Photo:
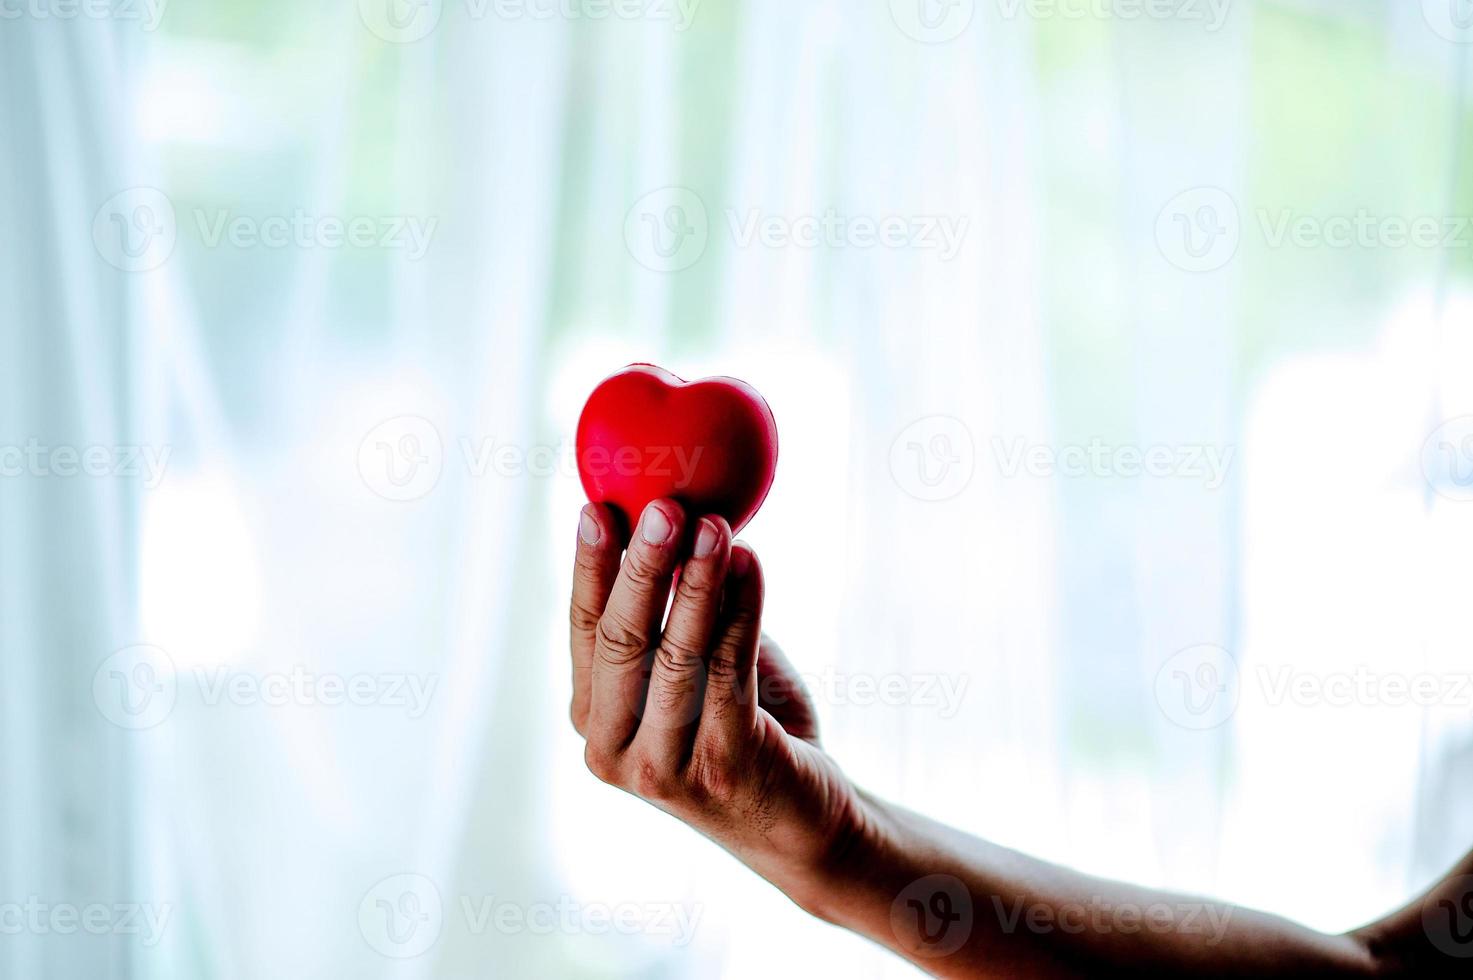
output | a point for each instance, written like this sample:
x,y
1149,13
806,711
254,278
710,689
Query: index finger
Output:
x,y
594,571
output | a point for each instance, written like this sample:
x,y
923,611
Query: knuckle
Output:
x,y
712,776
774,691
677,699
652,781
578,715
617,643
678,654
744,619
642,568
588,562
699,589
724,665
582,616
604,765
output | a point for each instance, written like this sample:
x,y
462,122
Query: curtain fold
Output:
x,y
68,383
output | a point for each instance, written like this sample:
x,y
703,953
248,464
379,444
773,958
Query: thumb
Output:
x,y
782,693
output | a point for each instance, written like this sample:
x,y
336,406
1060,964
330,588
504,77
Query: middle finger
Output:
x,y
627,630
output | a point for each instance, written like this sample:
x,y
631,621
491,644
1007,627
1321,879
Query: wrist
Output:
x,y
845,872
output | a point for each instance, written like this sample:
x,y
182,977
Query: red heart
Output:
x,y
711,444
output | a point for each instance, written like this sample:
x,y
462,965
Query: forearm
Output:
x,y
958,906
1433,935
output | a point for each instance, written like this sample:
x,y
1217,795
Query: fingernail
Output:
x,y
706,539
655,527
588,527
741,561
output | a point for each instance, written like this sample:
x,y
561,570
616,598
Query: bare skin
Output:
x,y
701,715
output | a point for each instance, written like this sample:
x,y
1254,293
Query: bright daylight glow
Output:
x,y
200,579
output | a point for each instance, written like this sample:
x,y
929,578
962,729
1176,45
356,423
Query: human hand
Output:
x,y
700,714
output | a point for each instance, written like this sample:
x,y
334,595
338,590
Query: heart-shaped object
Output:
x,y
710,444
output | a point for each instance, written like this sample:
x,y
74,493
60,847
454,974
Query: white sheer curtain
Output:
x,y
302,391
273,504
74,358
